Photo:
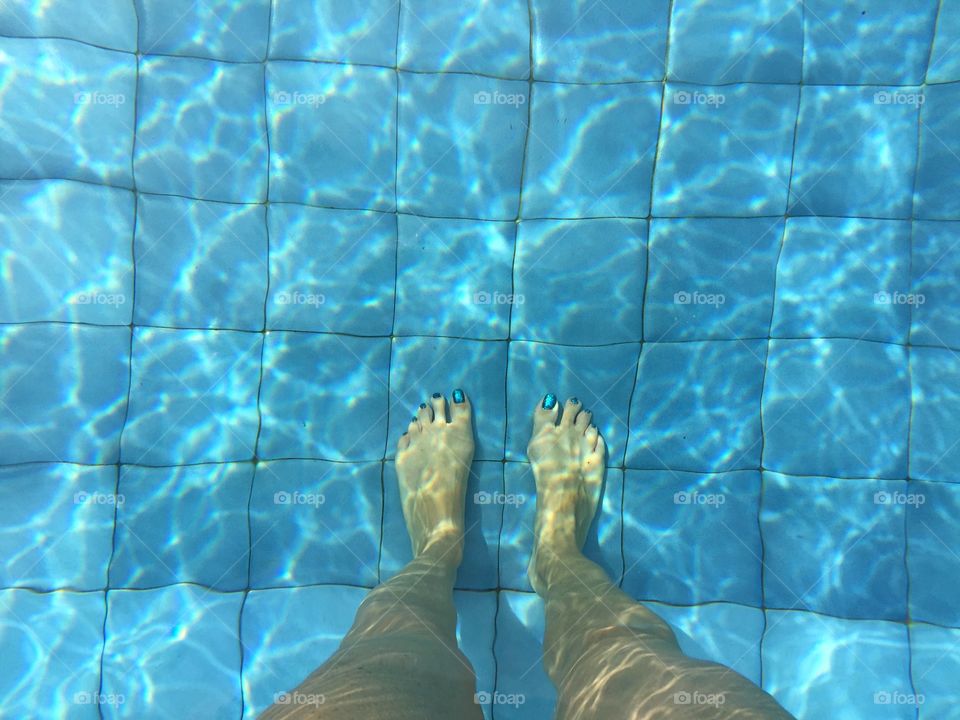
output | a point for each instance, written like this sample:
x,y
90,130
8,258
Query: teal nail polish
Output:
x,y
549,401
574,401
423,405
436,396
414,419
458,395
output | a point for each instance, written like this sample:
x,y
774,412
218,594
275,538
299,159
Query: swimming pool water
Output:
x,y
240,241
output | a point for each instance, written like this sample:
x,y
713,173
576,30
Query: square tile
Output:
x,y
846,277
461,142
462,266
865,123
233,30
932,533
608,258
523,688
692,538
332,134
274,624
601,377
53,644
937,194
111,24
696,406
934,448
64,392
194,396
838,408
182,524
217,150
191,256
56,525
945,59
77,118
725,150
935,665
752,42
494,41
173,650
834,546
935,267
711,278
324,397
424,365
331,270
335,30
590,151
885,43
91,283
315,522
575,42
867,660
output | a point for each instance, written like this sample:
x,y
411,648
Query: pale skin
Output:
x,y
608,656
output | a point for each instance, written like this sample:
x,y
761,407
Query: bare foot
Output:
x,y
568,463
433,461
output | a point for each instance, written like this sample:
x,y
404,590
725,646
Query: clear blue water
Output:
x,y
240,241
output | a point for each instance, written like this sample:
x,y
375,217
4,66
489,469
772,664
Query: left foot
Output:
x,y
433,461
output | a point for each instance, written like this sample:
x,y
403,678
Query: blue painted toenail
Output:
x,y
414,419
458,395
574,401
549,401
436,395
423,405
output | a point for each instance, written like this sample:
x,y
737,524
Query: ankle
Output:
x,y
444,546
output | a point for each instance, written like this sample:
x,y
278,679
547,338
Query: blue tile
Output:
x,y
78,107
171,651
590,151
725,150
887,43
933,565
331,270
44,282
575,42
217,149
220,29
834,546
51,660
190,255
937,194
64,392
460,145
846,277
692,538
935,665
725,633
476,621
945,60
492,39
336,30
547,308
538,368
324,397
332,134
315,522
287,634
830,157
838,408
603,544
814,665
696,406
423,365
111,24
936,295
462,268
57,525
934,450
194,396
753,42
711,278
183,524
523,688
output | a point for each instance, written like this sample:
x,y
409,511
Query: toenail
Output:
x,y
549,401
423,406
574,401
436,395
458,395
414,419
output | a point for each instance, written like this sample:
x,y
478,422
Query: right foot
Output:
x,y
567,459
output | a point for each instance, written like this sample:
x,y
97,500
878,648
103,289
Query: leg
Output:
x,y
400,659
608,655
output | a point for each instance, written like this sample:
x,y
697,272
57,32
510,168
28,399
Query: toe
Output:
x,y
570,411
545,413
425,414
601,447
414,426
591,435
439,404
583,420
404,442
460,408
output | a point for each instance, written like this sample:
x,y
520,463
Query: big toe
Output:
x,y
460,408
545,413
